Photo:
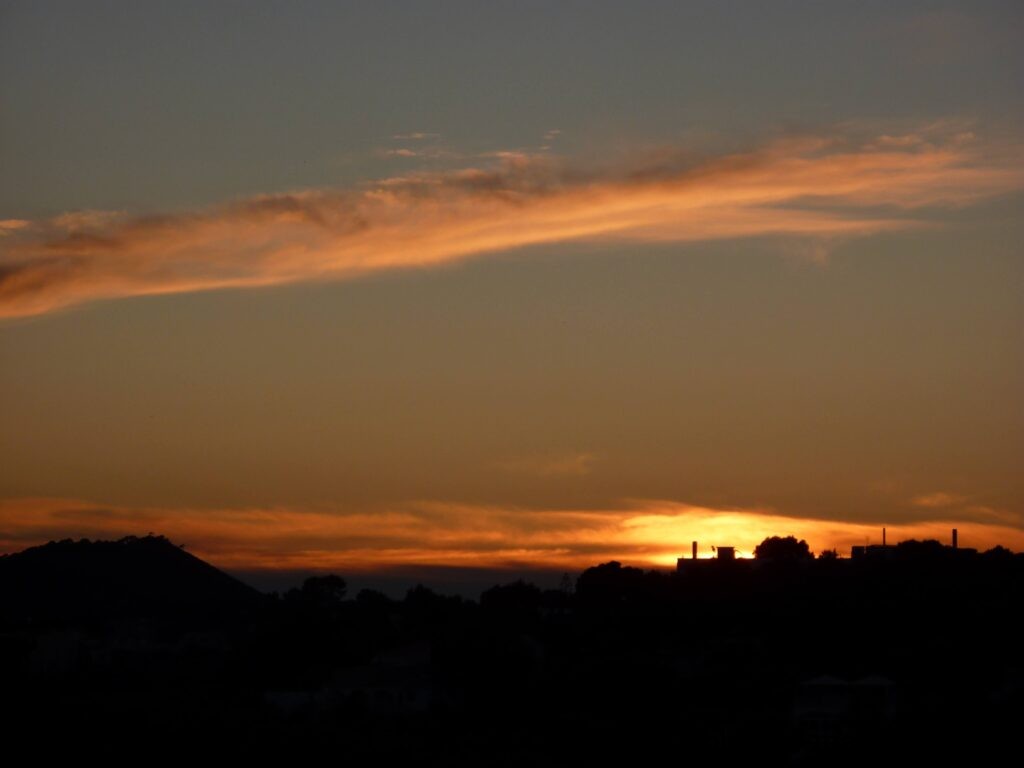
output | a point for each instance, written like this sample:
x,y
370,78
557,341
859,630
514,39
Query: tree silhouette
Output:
x,y
1000,553
783,549
517,594
518,600
610,582
321,590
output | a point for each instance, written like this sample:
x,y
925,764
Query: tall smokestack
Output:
x,y
695,550
883,537
954,538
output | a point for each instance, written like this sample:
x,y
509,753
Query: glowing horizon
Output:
x,y
646,533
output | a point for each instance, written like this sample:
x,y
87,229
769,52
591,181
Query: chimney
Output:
x,y
883,537
695,550
954,538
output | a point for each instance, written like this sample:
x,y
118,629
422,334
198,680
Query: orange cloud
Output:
x,y
650,534
8,226
819,187
938,499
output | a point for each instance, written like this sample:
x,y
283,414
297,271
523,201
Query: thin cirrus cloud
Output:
x,y
937,500
553,465
818,187
645,533
415,136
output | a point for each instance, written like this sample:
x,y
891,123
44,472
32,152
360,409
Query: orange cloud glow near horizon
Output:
x,y
817,187
647,534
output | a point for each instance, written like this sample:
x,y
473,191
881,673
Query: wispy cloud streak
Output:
x,y
648,533
818,187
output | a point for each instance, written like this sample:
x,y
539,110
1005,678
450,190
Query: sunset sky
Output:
x,y
371,286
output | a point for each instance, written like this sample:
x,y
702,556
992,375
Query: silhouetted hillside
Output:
x,y
80,580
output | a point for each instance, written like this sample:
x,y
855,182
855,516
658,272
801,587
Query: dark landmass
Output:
x,y
395,580
135,650
85,581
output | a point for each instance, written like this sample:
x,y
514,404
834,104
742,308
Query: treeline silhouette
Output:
x,y
911,652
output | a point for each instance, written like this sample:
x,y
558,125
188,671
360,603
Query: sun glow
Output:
x,y
648,534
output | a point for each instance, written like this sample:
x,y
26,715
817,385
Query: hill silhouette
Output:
x,y
135,576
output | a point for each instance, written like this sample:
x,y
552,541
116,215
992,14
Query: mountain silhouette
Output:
x,y
134,576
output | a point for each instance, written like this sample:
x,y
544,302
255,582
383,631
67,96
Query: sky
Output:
x,y
526,286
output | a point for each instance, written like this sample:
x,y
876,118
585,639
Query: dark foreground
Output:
x,y
137,650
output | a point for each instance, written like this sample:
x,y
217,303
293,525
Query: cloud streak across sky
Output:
x,y
823,187
649,533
